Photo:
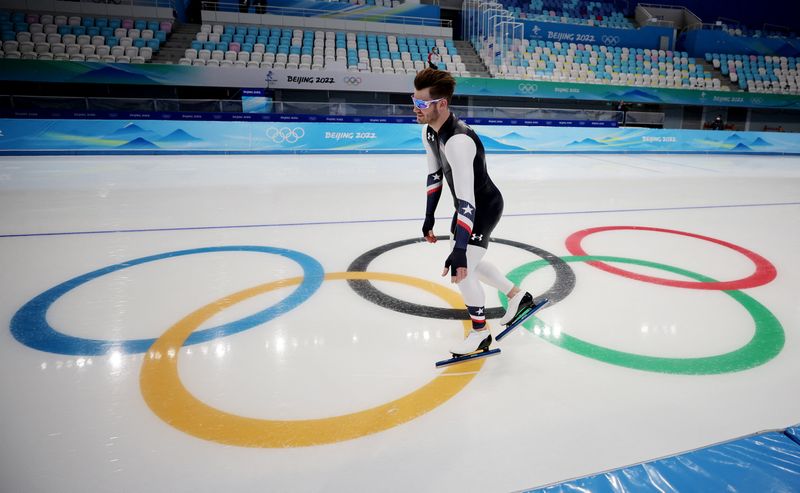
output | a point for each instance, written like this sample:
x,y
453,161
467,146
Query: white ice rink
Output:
x,y
325,390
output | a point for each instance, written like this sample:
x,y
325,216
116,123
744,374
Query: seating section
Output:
x,y
758,73
742,30
274,47
569,12
596,64
34,36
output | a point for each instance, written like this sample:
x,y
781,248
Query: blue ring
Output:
x,y
29,325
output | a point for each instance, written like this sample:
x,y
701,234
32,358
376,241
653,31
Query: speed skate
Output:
x,y
522,315
482,352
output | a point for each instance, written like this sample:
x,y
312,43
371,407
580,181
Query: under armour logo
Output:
x,y
431,138
477,237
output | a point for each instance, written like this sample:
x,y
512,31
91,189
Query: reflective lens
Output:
x,y
422,104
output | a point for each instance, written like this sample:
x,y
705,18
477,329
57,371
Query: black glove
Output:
x,y
427,225
458,258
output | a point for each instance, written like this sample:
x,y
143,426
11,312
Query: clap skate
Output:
x,y
520,308
476,345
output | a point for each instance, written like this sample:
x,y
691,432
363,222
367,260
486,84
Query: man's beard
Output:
x,y
432,116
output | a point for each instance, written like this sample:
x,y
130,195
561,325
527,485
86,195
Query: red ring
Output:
x,y
765,271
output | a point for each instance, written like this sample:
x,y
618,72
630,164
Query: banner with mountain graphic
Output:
x,y
183,75
19,136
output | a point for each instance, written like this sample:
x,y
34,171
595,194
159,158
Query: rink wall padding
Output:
x,y
765,462
89,136
794,433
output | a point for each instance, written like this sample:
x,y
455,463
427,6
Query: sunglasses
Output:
x,y
424,105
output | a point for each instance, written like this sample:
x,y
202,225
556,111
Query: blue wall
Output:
x,y
646,37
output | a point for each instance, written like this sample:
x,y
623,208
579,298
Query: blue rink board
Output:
x,y
769,462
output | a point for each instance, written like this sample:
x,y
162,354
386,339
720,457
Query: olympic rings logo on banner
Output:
x,y
168,398
610,40
527,88
352,80
285,134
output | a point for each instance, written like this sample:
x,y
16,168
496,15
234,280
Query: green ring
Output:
x,y
767,342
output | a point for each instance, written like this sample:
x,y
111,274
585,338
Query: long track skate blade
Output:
x,y
460,359
521,319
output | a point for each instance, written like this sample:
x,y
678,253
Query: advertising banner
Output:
x,y
644,37
131,137
181,75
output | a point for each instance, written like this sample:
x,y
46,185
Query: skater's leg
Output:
x,y
475,299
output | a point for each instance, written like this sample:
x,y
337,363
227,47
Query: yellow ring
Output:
x,y
169,400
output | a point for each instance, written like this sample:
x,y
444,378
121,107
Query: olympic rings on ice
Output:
x,y
766,343
765,271
167,397
561,288
30,327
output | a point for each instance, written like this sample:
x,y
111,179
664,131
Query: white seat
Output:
x,y
147,34
253,64
84,39
26,47
134,33
146,52
60,20
108,59
117,51
123,59
41,47
184,61
137,59
57,48
217,55
120,32
92,58
259,48
131,51
205,28
61,56
240,64
269,58
74,21
243,56
204,54
256,57
46,19
77,58
126,42
190,53
212,63
197,62
214,37
230,55
38,38
50,29
218,29
53,38
23,37
202,37
98,40
44,56
87,49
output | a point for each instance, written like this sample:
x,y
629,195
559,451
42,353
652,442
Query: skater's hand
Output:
x,y
427,230
457,263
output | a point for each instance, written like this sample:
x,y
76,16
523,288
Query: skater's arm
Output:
x,y
460,152
434,188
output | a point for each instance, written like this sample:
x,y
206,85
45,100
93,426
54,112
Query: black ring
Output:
x,y
561,288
